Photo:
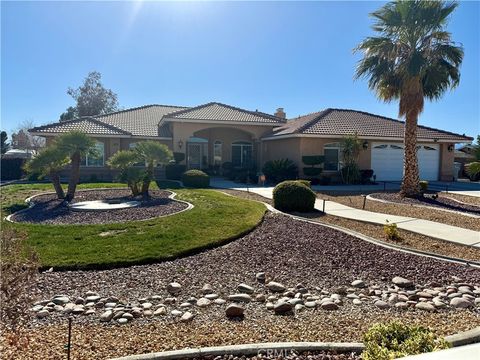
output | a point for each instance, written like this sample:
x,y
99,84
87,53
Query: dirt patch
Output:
x,y
49,210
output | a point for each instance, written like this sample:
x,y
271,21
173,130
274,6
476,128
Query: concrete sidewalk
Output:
x,y
419,226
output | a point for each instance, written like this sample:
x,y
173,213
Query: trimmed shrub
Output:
x,y
195,179
293,196
178,157
307,183
366,175
312,171
280,170
174,171
395,340
423,186
313,160
12,169
391,231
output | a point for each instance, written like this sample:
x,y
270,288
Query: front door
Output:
x,y
194,155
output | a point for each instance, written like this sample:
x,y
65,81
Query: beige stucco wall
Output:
x,y
225,133
446,162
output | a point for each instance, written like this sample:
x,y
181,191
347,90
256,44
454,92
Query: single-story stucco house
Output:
x,y
215,133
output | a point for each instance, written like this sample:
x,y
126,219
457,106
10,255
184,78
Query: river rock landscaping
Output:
x,y
287,280
47,209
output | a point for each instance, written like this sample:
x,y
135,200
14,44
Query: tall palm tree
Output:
x,y
152,153
49,162
75,144
412,58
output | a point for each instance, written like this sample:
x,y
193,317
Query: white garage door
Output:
x,y
387,161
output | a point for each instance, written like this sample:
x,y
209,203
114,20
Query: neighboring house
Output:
x,y
214,133
463,155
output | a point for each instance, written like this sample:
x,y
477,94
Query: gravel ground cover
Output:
x,y
409,239
288,251
463,198
440,202
448,218
50,210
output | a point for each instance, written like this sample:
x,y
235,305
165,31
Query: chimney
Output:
x,y
280,113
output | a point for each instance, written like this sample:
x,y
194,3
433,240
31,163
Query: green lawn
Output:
x,y
215,219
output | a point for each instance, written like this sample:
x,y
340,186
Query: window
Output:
x,y
332,157
396,147
98,158
241,154
217,153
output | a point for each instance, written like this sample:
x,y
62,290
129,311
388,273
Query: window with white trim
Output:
x,y
242,153
97,159
332,157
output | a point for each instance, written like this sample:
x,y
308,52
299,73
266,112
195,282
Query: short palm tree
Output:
x,y
152,153
124,161
412,58
75,145
49,162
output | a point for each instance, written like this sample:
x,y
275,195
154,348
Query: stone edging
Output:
x,y
369,197
31,205
459,339
248,349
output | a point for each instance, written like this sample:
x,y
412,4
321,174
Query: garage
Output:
x,y
387,161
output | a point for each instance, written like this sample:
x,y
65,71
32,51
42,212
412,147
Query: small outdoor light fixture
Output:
x,y
180,144
450,148
365,145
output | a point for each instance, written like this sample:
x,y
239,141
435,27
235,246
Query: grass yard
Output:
x,y
216,218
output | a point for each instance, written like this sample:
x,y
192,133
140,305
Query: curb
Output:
x,y
460,339
31,205
370,197
464,338
248,349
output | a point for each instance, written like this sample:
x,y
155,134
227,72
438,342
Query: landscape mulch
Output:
x,y
50,210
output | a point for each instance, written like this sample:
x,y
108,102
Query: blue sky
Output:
x,y
255,55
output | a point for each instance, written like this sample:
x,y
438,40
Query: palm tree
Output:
x,y
75,145
152,153
412,58
49,162
124,160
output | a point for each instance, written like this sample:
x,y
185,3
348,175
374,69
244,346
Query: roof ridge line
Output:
x,y
321,114
113,127
137,108
272,117
399,121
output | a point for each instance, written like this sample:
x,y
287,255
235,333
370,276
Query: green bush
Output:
x,y
178,157
423,186
350,174
12,169
312,171
395,340
195,179
280,170
313,160
307,183
293,196
174,171
391,231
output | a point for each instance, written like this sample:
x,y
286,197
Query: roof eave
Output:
x,y
384,138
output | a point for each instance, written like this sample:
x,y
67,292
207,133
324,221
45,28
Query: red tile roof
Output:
x,y
342,122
